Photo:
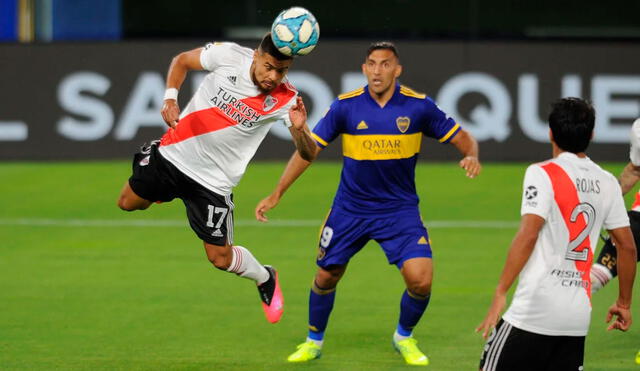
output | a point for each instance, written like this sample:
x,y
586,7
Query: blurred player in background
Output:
x,y
208,146
566,201
382,125
605,267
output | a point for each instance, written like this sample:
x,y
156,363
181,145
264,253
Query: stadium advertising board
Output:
x,y
102,100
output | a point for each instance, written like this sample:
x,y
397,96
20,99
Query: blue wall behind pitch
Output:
x,y
8,20
87,20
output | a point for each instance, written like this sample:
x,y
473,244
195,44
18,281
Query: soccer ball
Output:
x,y
295,31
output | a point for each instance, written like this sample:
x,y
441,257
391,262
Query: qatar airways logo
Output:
x,y
382,146
235,109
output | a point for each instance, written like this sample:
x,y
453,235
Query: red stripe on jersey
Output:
x,y
197,123
566,197
215,118
636,203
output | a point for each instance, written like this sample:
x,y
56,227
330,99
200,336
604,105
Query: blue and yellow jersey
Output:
x,y
380,146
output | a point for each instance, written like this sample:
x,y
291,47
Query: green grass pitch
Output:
x,y
84,285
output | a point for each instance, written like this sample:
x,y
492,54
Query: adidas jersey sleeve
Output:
x,y
437,124
537,196
618,216
634,152
213,55
329,126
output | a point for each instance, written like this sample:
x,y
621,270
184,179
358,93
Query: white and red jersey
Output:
x,y
576,198
634,156
227,118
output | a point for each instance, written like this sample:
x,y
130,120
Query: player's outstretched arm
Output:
x,y
468,147
519,252
296,166
300,132
629,177
626,264
180,65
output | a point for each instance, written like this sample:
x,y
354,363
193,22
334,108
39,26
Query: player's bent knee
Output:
x,y
329,278
220,262
132,203
326,283
422,288
220,259
126,205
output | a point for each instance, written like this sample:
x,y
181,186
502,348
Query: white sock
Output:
x,y
600,275
397,337
317,342
244,264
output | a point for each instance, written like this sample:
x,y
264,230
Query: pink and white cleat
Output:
x,y
271,296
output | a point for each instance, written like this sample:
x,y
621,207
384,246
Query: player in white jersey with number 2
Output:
x,y
566,201
207,148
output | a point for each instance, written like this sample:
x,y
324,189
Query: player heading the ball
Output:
x,y
206,150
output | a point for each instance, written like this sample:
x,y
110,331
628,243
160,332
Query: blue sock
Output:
x,y
320,305
412,306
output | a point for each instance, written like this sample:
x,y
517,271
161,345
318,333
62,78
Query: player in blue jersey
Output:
x,y
382,125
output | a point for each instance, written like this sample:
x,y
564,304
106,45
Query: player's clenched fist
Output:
x,y
170,112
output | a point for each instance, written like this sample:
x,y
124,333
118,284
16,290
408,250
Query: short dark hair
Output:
x,y
383,45
267,46
571,121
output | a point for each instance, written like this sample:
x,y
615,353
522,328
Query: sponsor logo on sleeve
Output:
x,y
530,193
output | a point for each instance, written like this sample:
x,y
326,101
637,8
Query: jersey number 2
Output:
x,y
590,216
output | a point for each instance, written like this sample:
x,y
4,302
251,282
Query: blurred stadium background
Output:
x,y
85,286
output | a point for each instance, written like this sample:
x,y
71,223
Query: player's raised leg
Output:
x,y
239,260
417,274
321,299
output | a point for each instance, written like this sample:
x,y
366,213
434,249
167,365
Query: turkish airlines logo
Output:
x,y
235,108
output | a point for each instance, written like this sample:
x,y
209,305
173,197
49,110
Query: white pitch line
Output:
x,y
43,222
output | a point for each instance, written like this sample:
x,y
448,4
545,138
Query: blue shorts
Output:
x,y
402,237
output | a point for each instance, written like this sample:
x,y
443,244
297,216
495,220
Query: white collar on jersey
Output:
x,y
571,155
